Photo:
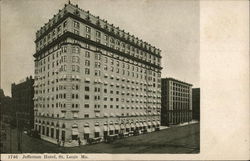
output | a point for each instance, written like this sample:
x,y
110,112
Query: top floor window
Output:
x,y
59,29
88,29
112,40
64,23
98,34
76,24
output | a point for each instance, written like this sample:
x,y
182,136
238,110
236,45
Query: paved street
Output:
x,y
184,139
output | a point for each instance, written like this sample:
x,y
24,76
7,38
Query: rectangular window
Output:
x,y
86,97
106,37
76,24
87,63
88,29
86,88
87,54
98,34
86,105
88,36
76,32
87,71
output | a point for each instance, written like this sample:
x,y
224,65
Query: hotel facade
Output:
x,y
176,102
93,80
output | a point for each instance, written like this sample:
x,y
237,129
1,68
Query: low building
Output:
x,y
176,102
7,119
196,103
22,94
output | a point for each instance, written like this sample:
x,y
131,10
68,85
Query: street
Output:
x,y
183,139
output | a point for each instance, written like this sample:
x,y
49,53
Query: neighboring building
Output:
x,y
7,121
176,102
22,94
93,79
196,103
7,109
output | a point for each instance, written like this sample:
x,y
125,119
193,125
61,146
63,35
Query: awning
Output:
x,y
132,126
97,114
117,127
158,122
86,130
111,127
127,126
137,124
122,126
112,115
97,129
154,123
105,128
106,115
87,79
145,124
74,126
149,124
75,131
141,124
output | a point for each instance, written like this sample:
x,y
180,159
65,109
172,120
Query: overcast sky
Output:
x,y
172,26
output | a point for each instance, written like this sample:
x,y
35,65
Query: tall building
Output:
x,y
176,102
22,95
93,80
196,103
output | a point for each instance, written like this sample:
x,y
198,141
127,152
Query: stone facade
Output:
x,y
93,80
176,102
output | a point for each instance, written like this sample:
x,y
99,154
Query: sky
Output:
x,y
170,25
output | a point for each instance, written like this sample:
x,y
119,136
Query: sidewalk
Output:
x,y
182,124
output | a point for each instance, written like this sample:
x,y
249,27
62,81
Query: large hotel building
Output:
x,y
93,80
176,102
